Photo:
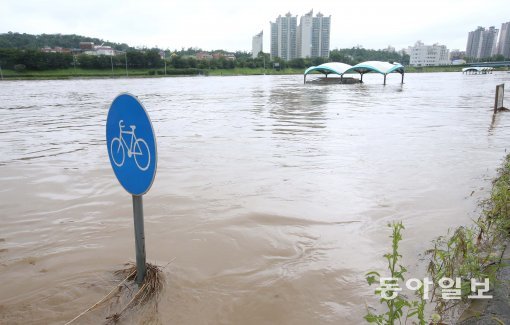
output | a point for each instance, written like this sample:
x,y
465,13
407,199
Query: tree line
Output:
x,y
29,41
21,59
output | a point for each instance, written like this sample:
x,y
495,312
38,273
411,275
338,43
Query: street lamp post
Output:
x,y
125,57
111,60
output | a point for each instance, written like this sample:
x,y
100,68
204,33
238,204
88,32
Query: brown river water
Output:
x,y
272,196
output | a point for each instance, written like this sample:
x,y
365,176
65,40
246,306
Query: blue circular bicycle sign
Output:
x,y
131,144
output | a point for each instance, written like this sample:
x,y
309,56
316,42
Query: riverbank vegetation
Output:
x,y
53,56
471,252
26,56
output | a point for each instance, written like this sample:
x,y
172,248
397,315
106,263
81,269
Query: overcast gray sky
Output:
x,y
230,25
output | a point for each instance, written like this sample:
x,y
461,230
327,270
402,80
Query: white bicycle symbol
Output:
x,y
137,148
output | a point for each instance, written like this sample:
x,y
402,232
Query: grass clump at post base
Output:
x,y
128,295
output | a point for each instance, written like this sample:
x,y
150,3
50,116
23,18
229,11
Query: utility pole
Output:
x,y
1,74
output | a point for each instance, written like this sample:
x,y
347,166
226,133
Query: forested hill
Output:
x,y
29,41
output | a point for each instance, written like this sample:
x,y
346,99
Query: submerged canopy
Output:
x,y
362,68
330,67
376,66
339,68
477,69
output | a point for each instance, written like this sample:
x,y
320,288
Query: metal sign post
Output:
x,y
500,95
132,150
141,268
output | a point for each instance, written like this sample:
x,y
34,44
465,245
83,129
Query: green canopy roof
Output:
x,y
330,67
340,69
376,66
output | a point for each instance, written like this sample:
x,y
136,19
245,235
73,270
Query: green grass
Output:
x,y
121,73
72,73
249,71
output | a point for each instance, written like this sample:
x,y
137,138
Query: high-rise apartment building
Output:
x,y
308,40
504,40
473,42
284,37
482,42
304,35
428,55
321,35
313,36
257,44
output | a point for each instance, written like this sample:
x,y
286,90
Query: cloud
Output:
x,y
231,24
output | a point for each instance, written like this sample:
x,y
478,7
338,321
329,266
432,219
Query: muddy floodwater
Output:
x,y
272,196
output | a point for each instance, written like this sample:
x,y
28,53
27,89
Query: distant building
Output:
x,y
457,55
504,40
428,55
310,39
56,49
458,62
204,56
304,36
313,36
86,46
104,50
90,49
482,43
389,49
284,37
257,44
228,56
321,36
489,42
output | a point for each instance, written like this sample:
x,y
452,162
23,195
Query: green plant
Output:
x,y
396,305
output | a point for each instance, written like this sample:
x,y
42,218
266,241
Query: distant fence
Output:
x,y
500,94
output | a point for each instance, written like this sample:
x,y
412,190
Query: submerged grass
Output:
x,y
127,295
465,253
70,73
473,252
151,286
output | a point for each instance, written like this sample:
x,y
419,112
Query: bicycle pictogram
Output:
x,y
137,148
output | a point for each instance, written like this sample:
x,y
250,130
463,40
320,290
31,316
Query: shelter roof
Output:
x,y
478,69
376,66
330,67
363,67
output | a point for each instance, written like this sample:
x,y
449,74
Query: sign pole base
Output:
x,y
141,268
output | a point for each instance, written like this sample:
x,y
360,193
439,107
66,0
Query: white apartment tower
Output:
x,y
284,37
313,36
482,43
428,55
304,35
320,36
504,40
257,44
